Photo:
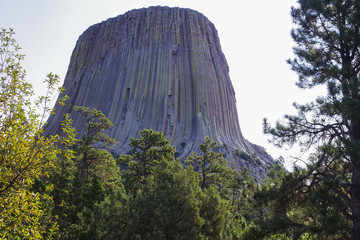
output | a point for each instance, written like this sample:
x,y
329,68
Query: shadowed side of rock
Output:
x,y
159,68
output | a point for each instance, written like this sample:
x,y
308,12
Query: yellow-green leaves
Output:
x,y
24,153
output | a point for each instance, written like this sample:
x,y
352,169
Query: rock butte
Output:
x,y
159,68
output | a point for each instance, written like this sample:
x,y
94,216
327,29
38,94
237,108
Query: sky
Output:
x,y
254,36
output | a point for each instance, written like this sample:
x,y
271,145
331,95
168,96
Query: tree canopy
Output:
x,y
327,52
62,188
24,153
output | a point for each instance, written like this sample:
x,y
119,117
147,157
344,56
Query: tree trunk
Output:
x,y
355,200
203,184
355,179
83,167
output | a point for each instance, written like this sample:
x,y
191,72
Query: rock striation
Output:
x,y
160,68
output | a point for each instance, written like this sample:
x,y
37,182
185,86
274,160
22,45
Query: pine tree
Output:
x,y
95,123
168,206
147,152
211,165
328,53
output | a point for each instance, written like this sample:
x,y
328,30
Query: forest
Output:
x,y
64,187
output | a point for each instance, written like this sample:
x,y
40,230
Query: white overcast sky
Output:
x,y
254,35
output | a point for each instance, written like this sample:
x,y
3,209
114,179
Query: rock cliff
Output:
x,y
160,68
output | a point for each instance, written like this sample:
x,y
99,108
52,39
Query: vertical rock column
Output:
x,y
160,68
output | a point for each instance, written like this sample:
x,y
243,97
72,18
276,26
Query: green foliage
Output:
x,y
147,152
62,188
324,196
111,216
82,208
25,155
243,155
168,206
76,206
241,186
253,158
211,165
292,205
214,211
276,209
95,125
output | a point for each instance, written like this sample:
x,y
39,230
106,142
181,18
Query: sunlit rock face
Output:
x,y
159,68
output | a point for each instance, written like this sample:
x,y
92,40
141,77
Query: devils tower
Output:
x,y
159,68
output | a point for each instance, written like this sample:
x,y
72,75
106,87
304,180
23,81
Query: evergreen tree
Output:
x,y
61,178
147,152
168,202
328,53
85,181
95,123
111,216
211,165
215,212
168,205
83,209
277,206
241,187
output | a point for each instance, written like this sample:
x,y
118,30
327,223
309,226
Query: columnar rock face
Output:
x,y
159,68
